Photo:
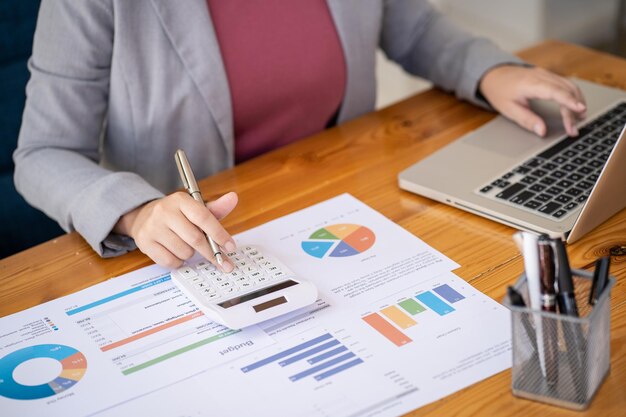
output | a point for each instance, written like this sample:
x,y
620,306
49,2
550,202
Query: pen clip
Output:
x,y
189,182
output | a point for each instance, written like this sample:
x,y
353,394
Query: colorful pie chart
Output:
x,y
73,364
339,240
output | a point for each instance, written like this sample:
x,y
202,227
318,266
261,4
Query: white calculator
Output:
x,y
258,289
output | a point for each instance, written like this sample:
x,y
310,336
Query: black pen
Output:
x,y
600,278
566,299
518,301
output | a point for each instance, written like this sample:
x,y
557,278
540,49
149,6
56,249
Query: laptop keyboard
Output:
x,y
556,181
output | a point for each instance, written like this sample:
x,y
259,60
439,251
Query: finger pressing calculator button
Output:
x,y
187,272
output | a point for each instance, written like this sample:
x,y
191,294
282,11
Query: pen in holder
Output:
x,y
567,365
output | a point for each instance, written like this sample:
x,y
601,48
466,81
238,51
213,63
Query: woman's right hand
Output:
x,y
169,230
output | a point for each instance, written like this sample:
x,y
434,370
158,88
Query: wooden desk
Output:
x,y
363,157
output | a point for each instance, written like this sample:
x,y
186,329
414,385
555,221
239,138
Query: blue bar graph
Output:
x,y
119,295
338,369
327,355
447,292
286,353
308,353
434,303
322,366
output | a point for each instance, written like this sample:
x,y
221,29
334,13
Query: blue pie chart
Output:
x,y
73,364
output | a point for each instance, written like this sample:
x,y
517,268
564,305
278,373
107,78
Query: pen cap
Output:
x,y
563,270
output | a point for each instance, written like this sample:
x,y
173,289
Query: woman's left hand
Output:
x,y
508,88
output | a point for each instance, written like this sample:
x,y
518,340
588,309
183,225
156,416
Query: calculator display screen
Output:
x,y
256,294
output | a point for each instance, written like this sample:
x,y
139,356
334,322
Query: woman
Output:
x,y
117,86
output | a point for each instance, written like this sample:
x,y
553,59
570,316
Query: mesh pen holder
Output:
x,y
569,357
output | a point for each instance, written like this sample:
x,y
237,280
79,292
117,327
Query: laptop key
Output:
x,y
544,197
574,192
596,163
585,185
550,207
510,191
558,174
537,188
585,170
578,161
522,197
588,155
569,167
574,177
508,175
486,189
570,153
565,183
563,199
554,190
533,204
549,166
528,180
582,198
522,170
559,160
539,173
580,147
534,163
559,213
548,180
571,206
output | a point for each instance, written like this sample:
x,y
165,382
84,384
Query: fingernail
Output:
x,y
537,130
574,131
226,266
230,246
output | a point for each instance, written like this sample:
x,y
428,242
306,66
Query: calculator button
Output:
x,y
249,270
255,274
207,270
246,284
225,284
262,279
187,272
241,264
278,274
198,278
201,285
242,278
208,290
203,264
235,274
231,254
230,290
214,274
218,279
211,296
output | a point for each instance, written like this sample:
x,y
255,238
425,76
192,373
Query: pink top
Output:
x,y
285,67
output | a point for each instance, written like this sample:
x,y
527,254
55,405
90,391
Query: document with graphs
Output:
x,y
393,329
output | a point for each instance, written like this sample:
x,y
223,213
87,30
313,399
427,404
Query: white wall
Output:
x,y
513,25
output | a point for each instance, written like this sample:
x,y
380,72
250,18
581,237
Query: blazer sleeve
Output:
x,y
57,159
427,44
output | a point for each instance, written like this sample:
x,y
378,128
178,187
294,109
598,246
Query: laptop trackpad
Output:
x,y
504,137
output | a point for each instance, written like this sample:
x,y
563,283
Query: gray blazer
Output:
x,y
117,86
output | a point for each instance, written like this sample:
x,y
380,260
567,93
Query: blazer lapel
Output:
x,y
360,62
190,29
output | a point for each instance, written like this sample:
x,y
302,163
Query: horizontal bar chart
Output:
x,y
317,355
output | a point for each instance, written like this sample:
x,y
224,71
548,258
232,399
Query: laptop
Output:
x,y
557,185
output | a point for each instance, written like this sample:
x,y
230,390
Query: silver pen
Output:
x,y
190,184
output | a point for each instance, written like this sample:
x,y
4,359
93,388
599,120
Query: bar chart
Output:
x,y
393,320
319,358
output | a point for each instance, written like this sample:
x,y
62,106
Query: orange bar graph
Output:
x,y
151,331
394,314
385,328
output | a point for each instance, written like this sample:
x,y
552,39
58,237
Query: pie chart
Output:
x,y
339,240
72,363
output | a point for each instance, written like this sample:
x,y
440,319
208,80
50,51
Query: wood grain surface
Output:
x,y
363,157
